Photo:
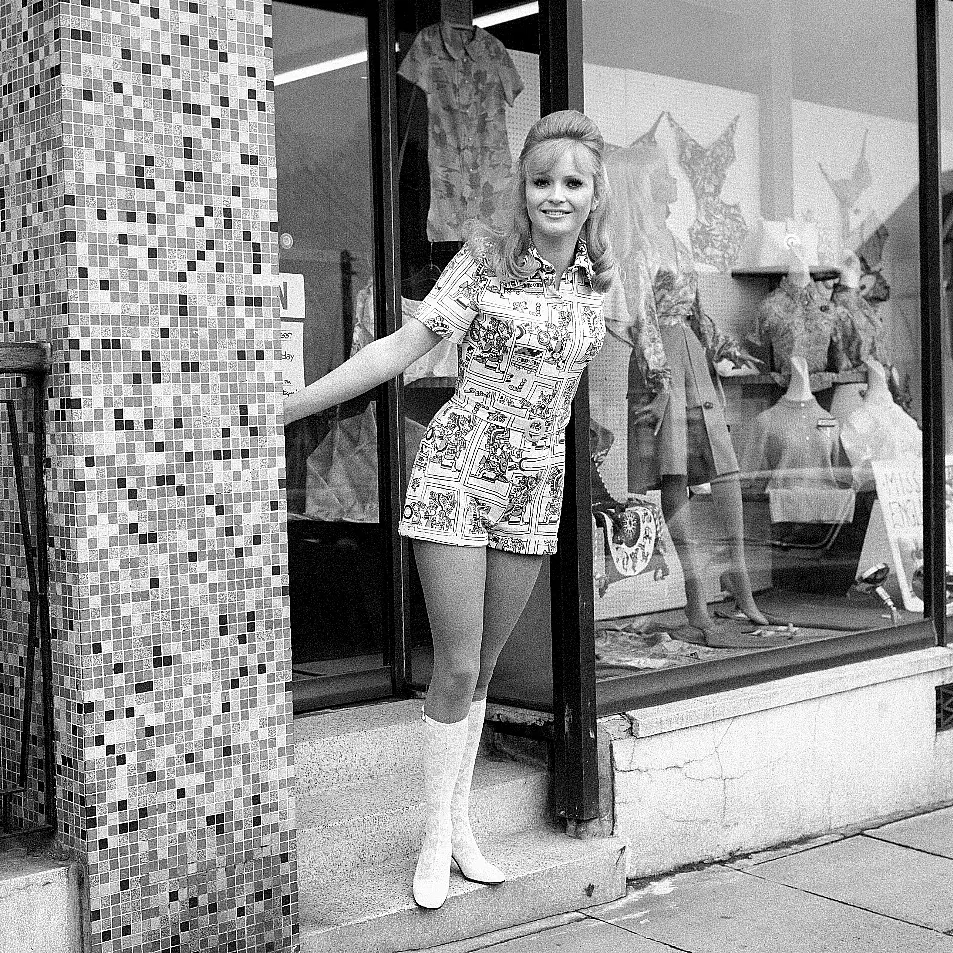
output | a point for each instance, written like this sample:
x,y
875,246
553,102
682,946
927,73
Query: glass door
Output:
x,y
337,543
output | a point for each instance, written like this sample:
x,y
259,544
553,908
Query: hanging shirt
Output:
x,y
469,79
792,451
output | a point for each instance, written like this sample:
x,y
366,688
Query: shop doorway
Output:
x,y
337,542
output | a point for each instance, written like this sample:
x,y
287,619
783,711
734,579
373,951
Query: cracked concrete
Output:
x,y
754,778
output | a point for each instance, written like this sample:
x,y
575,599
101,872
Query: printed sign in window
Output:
x,y
291,312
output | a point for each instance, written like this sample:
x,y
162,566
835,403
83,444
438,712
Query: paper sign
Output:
x,y
291,312
900,499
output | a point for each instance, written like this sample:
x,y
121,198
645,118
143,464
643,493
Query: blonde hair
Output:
x,y
629,172
546,142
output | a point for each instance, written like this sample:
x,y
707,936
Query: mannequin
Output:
x,y
878,429
799,389
858,334
677,438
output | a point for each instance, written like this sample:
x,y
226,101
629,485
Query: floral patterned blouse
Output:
x,y
469,79
641,306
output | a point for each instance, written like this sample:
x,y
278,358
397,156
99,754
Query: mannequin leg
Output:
x,y
726,495
676,513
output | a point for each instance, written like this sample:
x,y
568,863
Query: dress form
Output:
x,y
799,389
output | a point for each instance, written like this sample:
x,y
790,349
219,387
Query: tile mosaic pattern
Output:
x,y
143,176
30,296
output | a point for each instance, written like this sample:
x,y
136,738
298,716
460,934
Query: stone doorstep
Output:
x,y
372,911
40,904
379,823
706,709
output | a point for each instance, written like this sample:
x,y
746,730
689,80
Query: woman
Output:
x,y
484,496
678,436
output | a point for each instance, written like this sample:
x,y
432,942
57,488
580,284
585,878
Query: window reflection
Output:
x,y
765,179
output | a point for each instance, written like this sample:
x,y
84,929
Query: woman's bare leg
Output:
x,y
726,495
510,578
453,579
677,518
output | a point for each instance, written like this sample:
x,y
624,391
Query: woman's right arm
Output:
x,y
373,364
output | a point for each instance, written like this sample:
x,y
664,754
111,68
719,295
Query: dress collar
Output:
x,y
580,260
456,43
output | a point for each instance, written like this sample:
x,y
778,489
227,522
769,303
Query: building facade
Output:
x,y
201,201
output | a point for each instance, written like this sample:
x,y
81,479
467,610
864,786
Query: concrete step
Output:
x,y
372,909
40,907
368,741
375,822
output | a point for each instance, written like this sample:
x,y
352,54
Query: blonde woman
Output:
x,y
485,493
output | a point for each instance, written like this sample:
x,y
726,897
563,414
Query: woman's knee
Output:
x,y
457,675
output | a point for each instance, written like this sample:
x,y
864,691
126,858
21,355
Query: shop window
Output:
x,y
335,538
764,166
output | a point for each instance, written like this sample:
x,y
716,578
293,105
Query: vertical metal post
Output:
x,y
382,79
931,316
574,655
39,381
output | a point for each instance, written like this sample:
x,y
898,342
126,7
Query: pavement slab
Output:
x,y
720,910
931,832
873,874
786,850
583,936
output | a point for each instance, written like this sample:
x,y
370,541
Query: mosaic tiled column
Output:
x,y
137,213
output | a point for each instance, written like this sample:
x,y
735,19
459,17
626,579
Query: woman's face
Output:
x,y
559,201
662,184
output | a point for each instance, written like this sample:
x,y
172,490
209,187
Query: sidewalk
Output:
x,y
883,890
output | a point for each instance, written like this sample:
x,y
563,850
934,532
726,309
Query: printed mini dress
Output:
x,y
490,468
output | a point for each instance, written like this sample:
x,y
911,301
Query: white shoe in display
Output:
x,y
443,748
467,856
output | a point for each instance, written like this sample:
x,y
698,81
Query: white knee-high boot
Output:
x,y
443,750
473,865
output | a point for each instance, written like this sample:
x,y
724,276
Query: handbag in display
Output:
x,y
632,531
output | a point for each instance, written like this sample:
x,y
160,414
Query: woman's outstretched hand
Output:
x,y
373,364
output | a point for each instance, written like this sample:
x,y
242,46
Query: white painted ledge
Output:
x,y
659,719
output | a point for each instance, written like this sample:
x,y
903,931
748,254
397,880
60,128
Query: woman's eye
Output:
x,y
540,183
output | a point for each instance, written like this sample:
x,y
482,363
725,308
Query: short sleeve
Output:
x,y
412,65
509,77
448,309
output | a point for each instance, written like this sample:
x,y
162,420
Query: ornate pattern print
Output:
x,y
497,447
719,229
799,322
469,79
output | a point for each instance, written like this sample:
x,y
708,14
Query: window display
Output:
x,y
767,232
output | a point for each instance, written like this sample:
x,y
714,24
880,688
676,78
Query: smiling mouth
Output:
x,y
554,213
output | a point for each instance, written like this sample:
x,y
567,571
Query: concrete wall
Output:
x,y
137,236
751,768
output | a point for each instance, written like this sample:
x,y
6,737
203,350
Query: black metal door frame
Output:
x,y
931,316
